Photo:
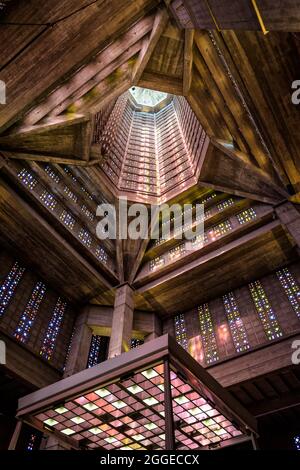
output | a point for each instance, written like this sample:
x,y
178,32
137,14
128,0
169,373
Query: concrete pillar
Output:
x,y
122,321
289,216
15,437
156,329
80,346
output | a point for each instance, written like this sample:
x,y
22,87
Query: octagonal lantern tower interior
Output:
x,y
151,142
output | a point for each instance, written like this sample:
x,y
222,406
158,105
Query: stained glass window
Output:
x,y
69,172
70,194
199,240
87,193
205,199
177,251
219,230
67,219
27,178
265,311
9,286
69,349
297,442
28,316
53,329
246,216
52,173
159,241
32,442
224,204
180,331
157,263
291,288
98,350
207,334
87,212
101,254
136,342
48,199
85,236
235,322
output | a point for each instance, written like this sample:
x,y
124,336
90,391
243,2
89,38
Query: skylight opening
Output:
x,y
146,97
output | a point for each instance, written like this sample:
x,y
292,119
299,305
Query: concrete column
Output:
x,y
15,437
122,321
80,346
156,329
289,216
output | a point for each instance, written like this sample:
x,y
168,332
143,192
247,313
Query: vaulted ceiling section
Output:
x,y
65,67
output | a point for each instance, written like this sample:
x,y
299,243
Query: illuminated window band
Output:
x,y
31,442
67,219
136,342
291,288
101,254
297,442
69,349
156,263
53,329
236,324
27,178
207,334
28,316
70,194
98,350
85,236
87,212
52,173
9,286
246,216
265,311
224,204
180,331
48,199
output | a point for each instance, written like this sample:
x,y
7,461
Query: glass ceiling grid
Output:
x,y
129,412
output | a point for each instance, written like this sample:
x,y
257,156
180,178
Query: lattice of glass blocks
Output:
x,y
31,442
67,219
156,263
236,325
265,312
9,286
219,230
291,288
85,236
180,331
70,194
87,212
28,316
101,254
207,334
176,252
225,204
53,329
52,173
48,199
27,178
98,350
136,342
246,216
